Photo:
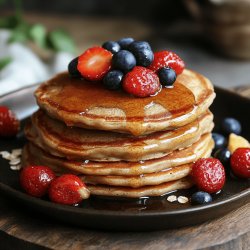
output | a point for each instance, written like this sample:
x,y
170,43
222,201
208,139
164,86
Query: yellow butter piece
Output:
x,y
237,141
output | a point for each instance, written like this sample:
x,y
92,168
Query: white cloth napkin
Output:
x,y
26,68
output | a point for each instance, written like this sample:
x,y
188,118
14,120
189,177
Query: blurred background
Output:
x,y
38,38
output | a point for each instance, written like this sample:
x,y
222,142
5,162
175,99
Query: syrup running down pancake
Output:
x,y
77,143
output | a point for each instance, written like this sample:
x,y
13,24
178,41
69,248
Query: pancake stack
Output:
x,y
118,144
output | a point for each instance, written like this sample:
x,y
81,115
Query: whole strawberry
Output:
x,y
141,82
208,174
35,180
68,189
167,59
240,162
9,124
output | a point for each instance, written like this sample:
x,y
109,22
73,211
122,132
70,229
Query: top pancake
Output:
x,y
84,104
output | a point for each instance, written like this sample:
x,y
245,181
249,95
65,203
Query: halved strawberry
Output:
x,y
94,63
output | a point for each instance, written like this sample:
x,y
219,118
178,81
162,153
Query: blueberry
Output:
x,y
113,79
124,61
125,42
167,76
111,46
138,45
223,155
231,125
144,57
200,198
219,141
72,68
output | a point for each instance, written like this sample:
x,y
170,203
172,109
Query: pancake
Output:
x,y
33,155
89,105
146,191
77,143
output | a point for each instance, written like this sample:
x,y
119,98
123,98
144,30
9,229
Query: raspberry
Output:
x,y
35,180
9,125
68,189
94,63
141,82
208,174
240,162
167,59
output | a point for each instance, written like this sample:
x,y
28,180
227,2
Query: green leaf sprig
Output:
x,y
21,31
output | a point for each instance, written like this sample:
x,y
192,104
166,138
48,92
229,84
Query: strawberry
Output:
x,y
35,180
141,82
240,162
208,174
94,63
167,59
9,124
68,189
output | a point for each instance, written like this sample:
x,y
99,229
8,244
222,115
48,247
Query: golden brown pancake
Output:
x,y
89,105
35,155
146,191
79,143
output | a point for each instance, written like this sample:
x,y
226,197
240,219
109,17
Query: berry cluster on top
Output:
x,y
129,65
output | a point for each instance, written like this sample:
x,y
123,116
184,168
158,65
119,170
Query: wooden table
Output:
x,y
19,230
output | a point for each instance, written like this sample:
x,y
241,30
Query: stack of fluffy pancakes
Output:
x,y
118,144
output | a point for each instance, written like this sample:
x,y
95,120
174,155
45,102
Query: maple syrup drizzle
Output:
x,y
79,96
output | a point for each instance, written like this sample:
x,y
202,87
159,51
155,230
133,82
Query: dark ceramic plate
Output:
x,y
128,215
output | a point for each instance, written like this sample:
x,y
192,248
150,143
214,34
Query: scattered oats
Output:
x,y
182,199
172,198
16,152
16,167
15,161
5,154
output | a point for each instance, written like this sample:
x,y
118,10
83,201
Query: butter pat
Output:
x,y
236,141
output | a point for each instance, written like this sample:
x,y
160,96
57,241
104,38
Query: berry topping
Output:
x,y
125,42
68,189
124,61
219,141
167,59
231,125
208,174
35,180
167,76
200,198
113,79
141,82
72,68
223,155
94,63
240,162
111,46
143,53
144,57
9,124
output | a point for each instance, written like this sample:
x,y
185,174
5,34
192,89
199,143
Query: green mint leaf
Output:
x,y
37,34
20,33
4,62
59,40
